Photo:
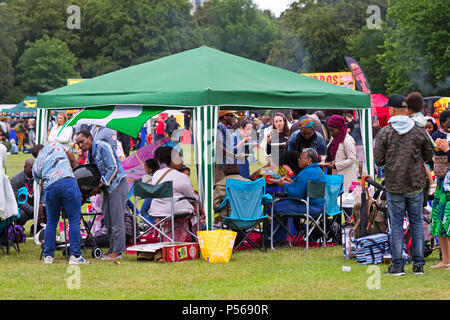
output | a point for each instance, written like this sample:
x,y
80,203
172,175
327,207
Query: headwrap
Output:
x,y
306,123
337,122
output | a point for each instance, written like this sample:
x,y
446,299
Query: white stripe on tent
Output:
x,y
205,122
119,112
366,133
41,138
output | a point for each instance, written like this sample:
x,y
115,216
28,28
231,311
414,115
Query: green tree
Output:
x,y
238,27
7,50
46,64
40,18
365,47
416,52
116,34
316,34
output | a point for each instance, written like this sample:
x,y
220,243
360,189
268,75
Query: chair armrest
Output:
x,y
267,198
223,204
289,198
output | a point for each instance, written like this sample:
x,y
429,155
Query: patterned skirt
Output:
x,y
440,215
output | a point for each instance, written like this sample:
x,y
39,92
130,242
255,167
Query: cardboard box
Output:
x,y
168,251
180,252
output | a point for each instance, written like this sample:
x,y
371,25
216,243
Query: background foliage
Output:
x,y
409,52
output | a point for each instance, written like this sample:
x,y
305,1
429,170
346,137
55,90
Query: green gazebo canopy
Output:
x,y
201,77
205,80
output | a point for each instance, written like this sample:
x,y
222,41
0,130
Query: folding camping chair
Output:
x,y
315,190
245,199
334,189
164,190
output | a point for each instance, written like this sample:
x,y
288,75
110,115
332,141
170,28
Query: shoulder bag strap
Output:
x,y
162,177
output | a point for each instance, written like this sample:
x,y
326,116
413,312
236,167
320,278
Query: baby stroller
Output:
x,y
380,196
88,177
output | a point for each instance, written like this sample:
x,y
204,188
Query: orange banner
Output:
x,y
343,79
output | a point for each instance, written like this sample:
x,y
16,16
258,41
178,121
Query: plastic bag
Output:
x,y
216,245
358,190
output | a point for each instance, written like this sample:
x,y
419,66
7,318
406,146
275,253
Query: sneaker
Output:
x,y
417,269
79,260
48,259
396,270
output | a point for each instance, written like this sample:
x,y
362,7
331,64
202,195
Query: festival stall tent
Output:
x,y
204,80
25,109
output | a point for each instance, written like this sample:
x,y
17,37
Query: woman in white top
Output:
x,y
182,187
65,137
341,153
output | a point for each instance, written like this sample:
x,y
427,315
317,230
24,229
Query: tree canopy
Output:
x,y
46,64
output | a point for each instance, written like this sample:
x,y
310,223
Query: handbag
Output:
x,y
441,165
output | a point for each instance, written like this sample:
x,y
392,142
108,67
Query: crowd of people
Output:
x,y
406,153
310,144
336,139
17,134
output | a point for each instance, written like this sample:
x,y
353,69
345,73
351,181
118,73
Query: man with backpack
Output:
x,y
402,147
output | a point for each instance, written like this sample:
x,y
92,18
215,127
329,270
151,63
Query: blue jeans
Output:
x,y
63,194
245,169
145,207
398,205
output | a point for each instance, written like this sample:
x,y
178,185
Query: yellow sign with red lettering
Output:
x,y
343,79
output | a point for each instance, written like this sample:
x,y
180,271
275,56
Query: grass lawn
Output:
x,y
287,273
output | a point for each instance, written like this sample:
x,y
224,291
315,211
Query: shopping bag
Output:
x,y
216,245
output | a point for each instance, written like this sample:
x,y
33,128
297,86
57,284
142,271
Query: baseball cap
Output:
x,y
396,101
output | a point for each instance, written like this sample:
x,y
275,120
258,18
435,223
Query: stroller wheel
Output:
x,y
97,253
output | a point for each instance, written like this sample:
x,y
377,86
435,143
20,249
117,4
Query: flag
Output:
x,y
128,119
361,81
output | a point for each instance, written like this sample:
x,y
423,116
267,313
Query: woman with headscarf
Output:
x,y
307,137
341,153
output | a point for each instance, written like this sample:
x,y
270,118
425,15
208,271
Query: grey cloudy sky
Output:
x,y
276,6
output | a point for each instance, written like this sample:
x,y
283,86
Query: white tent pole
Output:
x,y
205,123
366,132
41,138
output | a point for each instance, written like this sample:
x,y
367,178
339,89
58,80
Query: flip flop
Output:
x,y
109,258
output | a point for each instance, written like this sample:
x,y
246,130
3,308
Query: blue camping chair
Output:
x,y
334,189
245,199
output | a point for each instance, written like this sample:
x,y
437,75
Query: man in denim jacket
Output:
x,y
114,187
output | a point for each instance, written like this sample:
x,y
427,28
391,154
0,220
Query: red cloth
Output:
x,y
378,101
160,128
